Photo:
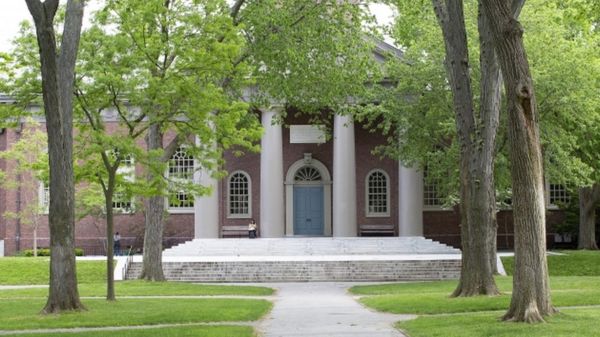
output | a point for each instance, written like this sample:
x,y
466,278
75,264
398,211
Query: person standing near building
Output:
x,y
117,244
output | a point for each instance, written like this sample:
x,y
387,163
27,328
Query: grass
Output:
x,y
572,263
574,282
433,297
24,314
35,270
569,323
190,331
143,288
19,308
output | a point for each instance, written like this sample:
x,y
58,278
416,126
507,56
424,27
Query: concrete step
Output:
x,y
284,270
310,246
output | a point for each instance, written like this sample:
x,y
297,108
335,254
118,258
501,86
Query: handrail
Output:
x,y
128,262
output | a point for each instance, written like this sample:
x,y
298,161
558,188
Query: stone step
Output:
x,y
303,271
309,246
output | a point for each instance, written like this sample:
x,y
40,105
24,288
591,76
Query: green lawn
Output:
x,y
19,308
193,331
569,323
24,314
433,297
479,316
571,263
35,270
143,288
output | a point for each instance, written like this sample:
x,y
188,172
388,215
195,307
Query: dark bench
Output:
x,y
377,230
234,231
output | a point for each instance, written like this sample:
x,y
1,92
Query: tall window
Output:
x,y
431,194
239,202
181,170
44,197
558,195
378,194
121,202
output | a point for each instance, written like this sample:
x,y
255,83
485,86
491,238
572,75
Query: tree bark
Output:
x,y
531,291
58,68
477,201
588,200
154,219
489,114
109,192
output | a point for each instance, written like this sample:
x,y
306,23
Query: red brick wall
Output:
x,y
443,226
89,232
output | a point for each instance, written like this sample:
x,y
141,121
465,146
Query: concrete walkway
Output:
x,y
324,310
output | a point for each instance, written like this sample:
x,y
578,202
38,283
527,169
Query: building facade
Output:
x,y
304,182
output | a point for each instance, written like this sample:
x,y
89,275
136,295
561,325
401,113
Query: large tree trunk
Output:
x,y
154,219
588,200
489,114
531,291
477,202
58,70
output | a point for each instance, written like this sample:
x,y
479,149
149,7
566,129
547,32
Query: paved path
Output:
x,y
324,309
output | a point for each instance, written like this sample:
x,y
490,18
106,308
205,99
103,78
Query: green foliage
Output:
x,y
310,54
416,112
568,263
566,84
24,314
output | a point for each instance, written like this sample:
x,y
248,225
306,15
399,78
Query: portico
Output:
x,y
308,186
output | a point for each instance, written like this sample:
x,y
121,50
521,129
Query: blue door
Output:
x,y
308,210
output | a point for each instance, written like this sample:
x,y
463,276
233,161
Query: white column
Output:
x,y
410,199
344,178
272,206
206,208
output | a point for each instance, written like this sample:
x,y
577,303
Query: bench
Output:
x,y
234,231
377,230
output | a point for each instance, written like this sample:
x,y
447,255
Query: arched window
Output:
x,y
180,171
239,202
307,173
378,194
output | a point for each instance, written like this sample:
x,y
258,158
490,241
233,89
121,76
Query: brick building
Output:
x,y
315,187
301,184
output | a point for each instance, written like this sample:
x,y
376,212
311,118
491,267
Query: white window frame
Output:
x,y
368,212
439,206
239,215
127,170
180,210
548,193
44,197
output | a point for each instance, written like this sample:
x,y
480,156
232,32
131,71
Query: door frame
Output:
x,y
289,193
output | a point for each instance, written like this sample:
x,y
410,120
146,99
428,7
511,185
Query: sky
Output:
x,y
13,12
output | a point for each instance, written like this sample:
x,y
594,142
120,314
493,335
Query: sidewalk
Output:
x,y
324,309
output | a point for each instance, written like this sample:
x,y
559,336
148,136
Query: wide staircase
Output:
x,y
308,259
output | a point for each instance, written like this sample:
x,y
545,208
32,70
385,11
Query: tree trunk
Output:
x,y
57,87
110,253
489,114
531,291
35,250
588,199
477,203
154,219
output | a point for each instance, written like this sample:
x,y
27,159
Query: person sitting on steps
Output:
x,y
252,229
